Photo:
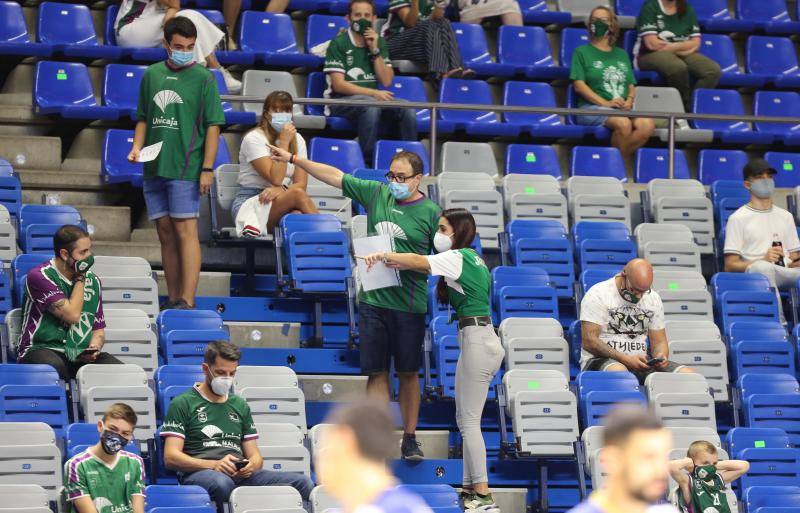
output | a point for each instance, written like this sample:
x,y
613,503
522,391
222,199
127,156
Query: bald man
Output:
x,y
617,317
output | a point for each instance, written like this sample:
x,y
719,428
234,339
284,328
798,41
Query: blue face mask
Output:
x,y
400,191
181,58
763,188
280,119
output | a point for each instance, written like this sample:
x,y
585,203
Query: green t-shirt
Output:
x,y
210,431
608,74
468,280
344,56
110,488
707,496
394,25
411,226
673,28
178,107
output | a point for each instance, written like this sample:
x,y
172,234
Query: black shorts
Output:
x,y
384,334
601,364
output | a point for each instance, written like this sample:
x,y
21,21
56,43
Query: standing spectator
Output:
x,y
179,106
140,23
281,187
63,324
603,80
475,11
105,478
391,321
702,479
761,237
669,43
356,60
210,438
618,316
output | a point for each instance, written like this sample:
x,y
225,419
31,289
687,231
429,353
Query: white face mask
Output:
x,y
442,242
221,385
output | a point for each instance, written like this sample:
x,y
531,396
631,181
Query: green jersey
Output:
x,y
411,226
178,105
673,28
707,496
468,280
394,25
608,74
110,487
209,430
353,61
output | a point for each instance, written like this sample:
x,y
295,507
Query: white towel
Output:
x,y
251,221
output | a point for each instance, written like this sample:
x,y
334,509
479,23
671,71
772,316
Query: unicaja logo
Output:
x,y
166,97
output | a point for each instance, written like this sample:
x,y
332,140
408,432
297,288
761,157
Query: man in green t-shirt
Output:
x,y
356,62
391,320
179,108
210,437
669,43
105,478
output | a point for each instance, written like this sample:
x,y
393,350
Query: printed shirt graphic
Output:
x,y
344,56
44,285
751,232
178,107
608,74
209,430
110,487
394,25
672,28
624,325
396,500
412,227
468,280
707,496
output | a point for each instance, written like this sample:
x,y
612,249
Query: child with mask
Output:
x,y
105,478
703,479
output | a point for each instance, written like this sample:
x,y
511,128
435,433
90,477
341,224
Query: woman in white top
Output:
x,y
280,185
140,23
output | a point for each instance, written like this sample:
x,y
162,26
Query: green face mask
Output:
x,y
629,296
598,28
81,266
360,26
706,472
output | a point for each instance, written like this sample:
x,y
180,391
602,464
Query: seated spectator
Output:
x,y
355,62
617,318
140,23
63,324
418,31
669,43
761,237
105,477
476,12
603,80
210,438
702,479
280,187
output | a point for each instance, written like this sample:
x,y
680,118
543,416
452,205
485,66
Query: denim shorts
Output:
x,y
179,199
592,120
242,194
385,334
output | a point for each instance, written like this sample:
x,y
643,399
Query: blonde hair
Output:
x,y
700,446
121,411
613,23
280,101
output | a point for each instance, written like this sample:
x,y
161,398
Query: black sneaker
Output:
x,y
410,449
181,304
166,305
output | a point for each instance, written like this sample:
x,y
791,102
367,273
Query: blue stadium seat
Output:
x,y
441,498
14,37
526,301
169,320
771,499
65,88
173,380
184,496
605,254
35,403
223,153
600,133
38,223
779,104
321,28
11,194
80,436
475,51
738,305
608,230
788,166
505,276
591,277
70,30
629,7
723,282
6,295
534,228
5,169
187,346
756,330
774,59
115,167
571,38
386,149
344,154
473,122
719,48
532,159
590,381
740,438
629,38
269,37
600,391
597,161
771,16
317,252
714,16
729,102
772,401
537,94
315,88
447,351
654,163
727,196
121,87
28,374
528,50
411,89
532,244
536,11
232,116
140,54
20,267
716,165
763,356
771,467
377,175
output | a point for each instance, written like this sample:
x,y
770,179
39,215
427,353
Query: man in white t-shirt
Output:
x,y
617,317
761,237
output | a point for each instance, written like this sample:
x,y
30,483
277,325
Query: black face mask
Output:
x,y
112,442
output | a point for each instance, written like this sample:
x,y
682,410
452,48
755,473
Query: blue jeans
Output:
x,y
369,119
220,486
243,194
592,120
179,199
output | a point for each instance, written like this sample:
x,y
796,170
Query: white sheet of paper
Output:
x,y
149,153
380,276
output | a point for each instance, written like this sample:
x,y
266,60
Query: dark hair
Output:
x,y
624,420
222,349
66,237
121,411
352,2
463,234
414,160
279,101
180,25
373,427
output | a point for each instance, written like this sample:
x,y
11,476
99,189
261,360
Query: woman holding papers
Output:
x,y
464,283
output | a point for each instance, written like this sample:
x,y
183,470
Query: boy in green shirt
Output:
x,y
179,107
703,479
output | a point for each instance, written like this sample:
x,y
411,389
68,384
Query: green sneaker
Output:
x,y
474,503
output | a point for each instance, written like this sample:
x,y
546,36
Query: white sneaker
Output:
x,y
475,504
682,124
234,86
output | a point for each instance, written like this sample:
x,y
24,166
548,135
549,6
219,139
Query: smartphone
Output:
x,y
241,464
653,361
90,350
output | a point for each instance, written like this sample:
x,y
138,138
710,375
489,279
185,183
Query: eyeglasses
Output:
x,y
630,287
397,178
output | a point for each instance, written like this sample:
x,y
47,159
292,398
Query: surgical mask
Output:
x,y
181,58
763,188
442,242
280,119
81,266
598,28
360,26
705,472
400,191
112,442
221,385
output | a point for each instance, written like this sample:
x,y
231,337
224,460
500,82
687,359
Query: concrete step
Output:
x,y
148,250
333,388
39,178
509,500
144,235
107,223
82,165
27,152
210,284
225,258
264,334
89,198
434,443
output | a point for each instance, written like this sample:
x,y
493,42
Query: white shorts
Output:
x,y
473,12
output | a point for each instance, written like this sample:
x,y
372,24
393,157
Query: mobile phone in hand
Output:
x,y
90,350
241,464
654,361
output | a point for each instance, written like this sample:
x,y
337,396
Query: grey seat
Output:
x,y
684,202
534,197
668,99
511,327
684,436
686,329
315,435
116,266
596,198
321,500
264,376
687,304
655,232
138,293
592,438
537,353
134,346
8,243
580,9
281,446
476,192
708,358
330,200
677,280
12,329
469,157
30,456
359,227
680,399
261,83
667,246
22,497
126,319
271,405
272,499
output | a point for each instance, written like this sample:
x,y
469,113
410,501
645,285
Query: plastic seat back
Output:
x,y
788,166
472,43
341,153
524,46
597,161
718,101
762,10
115,165
62,84
571,38
529,94
121,85
321,28
532,159
778,104
385,150
266,32
654,163
719,48
61,23
720,165
768,55
455,90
